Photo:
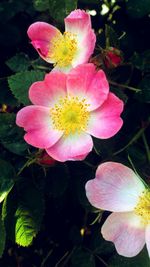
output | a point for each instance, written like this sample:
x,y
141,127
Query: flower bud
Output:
x,y
45,159
112,57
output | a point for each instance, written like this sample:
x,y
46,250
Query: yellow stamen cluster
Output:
x,y
143,207
70,115
63,49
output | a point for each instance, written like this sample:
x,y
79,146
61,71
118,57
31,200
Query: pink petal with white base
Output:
x,y
36,121
88,43
105,122
147,238
78,22
41,34
84,81
47,92
126,232
71,147
115,188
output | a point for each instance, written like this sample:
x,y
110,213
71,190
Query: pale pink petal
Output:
x,y
41,34
78,22
83,55
105,122
71,147
49,91
115,188
147,238
36,121
84,81
126,232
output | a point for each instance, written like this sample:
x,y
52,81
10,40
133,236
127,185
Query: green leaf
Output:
x,y
141,260
19,62
11,136
98,245
141,61
20,83
25,227
82,258
138,8
6,178
2,237
144,95
30,212
59,9
41,5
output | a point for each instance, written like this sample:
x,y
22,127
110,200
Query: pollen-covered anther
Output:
x,y
63,49
70,115
143,207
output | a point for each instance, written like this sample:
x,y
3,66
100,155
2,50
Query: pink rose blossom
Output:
x,y
118,189
65,51
67,109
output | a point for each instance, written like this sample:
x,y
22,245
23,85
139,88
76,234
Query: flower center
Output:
x,y
63,49
70,115
143,207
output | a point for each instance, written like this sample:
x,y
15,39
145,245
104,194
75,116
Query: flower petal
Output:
x,y
47,92
88,43
79,23
105,122
147,237
115,188
36,121
71,147
126,232
85,82
41,34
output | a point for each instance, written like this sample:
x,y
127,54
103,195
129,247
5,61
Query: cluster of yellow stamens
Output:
x,y
63,49
143,207
70,115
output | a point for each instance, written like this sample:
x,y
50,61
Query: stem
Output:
x,y
64,256
135,137
89,164
146,146
45,259
125,86
27,164
92,252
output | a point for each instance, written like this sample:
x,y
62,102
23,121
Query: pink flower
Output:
x,y
65,51
67,109
118,189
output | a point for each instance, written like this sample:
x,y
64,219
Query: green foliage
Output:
x,y
25,227
19,84
82,258
2,237
141,260
45,207
11,136
6,178
138,8
40,5
144,85
29,213
19,62
141,61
